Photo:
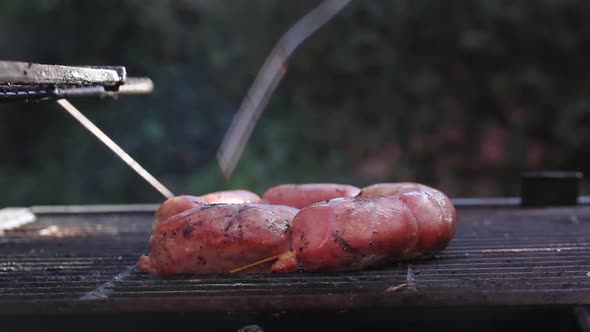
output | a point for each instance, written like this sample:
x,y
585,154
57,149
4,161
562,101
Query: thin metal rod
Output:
x,y
115,148
267,80
262,261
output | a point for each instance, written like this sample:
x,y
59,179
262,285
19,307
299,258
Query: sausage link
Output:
x,y
434,213
178,204
302,195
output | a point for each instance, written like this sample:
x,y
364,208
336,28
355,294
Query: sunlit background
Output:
x,y
461,95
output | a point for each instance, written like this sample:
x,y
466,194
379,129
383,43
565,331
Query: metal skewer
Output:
x,y
114,147
268,78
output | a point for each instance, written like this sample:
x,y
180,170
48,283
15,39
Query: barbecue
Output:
x,y
513,264
78,261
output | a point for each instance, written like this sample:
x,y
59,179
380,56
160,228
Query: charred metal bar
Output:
x,y
30,82
16,72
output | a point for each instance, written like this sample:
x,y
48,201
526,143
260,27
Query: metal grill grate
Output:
x,y
18,92
84,262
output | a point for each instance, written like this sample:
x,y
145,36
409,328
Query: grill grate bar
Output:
x,y
511,279
311,291
546,267
523,276
377,288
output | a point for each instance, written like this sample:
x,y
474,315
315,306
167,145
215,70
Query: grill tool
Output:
x,y
33,82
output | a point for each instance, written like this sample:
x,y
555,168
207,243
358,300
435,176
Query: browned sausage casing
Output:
x,y
218,238
237,196
435,214
353,233
174,206
302,195
178,204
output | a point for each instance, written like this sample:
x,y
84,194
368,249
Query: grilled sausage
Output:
x,y
216,238
174,206
232,196
384,222
392,188
287,212
353,233
179,204
435,214
302,195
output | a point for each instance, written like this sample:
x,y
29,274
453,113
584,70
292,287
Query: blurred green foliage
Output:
x,y
461,95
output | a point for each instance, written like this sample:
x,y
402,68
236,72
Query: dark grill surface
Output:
x,y
84,262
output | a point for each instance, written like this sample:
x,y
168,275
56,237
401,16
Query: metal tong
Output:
x,y
29,82
25,82
267,80
33,82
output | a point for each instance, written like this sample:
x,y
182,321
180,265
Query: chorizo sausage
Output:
x,y
179,204
216,238
237,196
353,233
302,195
174,206
435,214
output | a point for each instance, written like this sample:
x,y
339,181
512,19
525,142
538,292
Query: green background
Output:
x,y
461,95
